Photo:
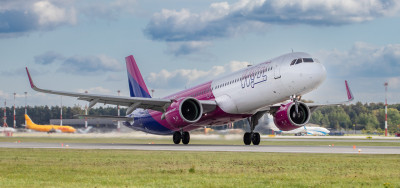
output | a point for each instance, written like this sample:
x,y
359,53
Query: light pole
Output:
x,y
386,85
86,113
15,123
61,112
26,93
152,92
5,113
119,113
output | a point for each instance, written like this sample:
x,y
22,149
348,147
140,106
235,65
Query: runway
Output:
x,y
214,148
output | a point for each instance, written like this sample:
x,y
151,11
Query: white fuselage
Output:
x,y
268,83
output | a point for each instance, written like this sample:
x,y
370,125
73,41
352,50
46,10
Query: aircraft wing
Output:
x,y
314,106
131,102
350,98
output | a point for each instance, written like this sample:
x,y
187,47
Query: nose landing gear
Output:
x,y
253,137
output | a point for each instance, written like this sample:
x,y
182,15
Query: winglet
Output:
x,y
350,96
30,79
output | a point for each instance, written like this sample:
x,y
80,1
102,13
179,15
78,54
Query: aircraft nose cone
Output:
x,y
320,75
305,77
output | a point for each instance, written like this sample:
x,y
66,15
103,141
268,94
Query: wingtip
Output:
x,y
350,96
30,78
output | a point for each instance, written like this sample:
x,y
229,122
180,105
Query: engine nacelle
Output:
x,y
184,112
286,118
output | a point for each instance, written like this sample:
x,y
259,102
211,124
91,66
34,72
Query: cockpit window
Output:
x,y
305,60
308,60
293,62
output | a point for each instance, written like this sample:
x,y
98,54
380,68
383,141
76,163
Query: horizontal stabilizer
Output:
x,y
114,118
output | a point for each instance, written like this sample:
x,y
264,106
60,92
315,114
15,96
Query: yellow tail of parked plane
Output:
x,y
48,128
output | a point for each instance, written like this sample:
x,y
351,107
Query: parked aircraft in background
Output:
x,y
7,129
246,94
304,130
48,128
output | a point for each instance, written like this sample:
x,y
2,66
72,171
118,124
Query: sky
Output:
x,y
78,46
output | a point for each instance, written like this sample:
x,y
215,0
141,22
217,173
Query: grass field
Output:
x,y
122,168
168,140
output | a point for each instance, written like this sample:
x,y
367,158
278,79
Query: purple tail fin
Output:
x,y
137,87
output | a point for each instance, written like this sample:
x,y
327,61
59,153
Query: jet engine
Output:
x,y
288,117
184,112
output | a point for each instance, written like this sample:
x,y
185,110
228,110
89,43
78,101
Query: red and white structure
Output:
x,y
119,114
5,114
86,113
386,85
15,122
26,93
61,112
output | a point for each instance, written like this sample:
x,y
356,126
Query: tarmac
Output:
x,y
213,148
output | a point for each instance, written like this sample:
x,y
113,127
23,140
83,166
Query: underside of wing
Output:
x,y
131,102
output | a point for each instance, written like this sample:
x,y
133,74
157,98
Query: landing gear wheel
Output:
x,y
177,137
256,138
247,138
185,138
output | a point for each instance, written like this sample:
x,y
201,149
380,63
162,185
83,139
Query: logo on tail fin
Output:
x,y
137,87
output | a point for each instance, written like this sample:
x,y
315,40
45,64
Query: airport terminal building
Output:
x,y
102,125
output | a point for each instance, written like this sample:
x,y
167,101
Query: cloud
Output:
x,y
48,58
394,82
184,48
90,64
50,14
226,20
237,65
18,17
188,77
108,10
95,90
3,95
21,72
365,60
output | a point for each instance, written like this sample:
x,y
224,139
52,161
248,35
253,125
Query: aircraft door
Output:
x,y
277,71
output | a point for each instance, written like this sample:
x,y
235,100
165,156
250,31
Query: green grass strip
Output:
x,y
126,168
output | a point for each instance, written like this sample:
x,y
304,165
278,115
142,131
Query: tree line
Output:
x,y
43,114
369,117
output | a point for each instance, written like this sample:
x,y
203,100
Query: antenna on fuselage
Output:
x,y
292,50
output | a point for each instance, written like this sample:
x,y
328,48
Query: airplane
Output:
x,y
7,129
245,94
84,131
304,130
316,131
48,128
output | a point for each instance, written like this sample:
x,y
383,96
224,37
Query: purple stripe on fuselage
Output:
x,y
200,92
143,121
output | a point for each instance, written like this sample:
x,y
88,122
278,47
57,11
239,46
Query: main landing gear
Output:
x,y
253,137
180,135
250,137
